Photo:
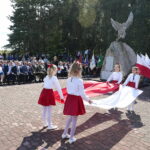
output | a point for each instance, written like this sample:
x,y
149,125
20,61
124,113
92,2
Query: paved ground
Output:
x,y
21,126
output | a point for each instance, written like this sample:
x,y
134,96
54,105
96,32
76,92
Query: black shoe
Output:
x,y
132,112
116,109
128,112
111,110
135,102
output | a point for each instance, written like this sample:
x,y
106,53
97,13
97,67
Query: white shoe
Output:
x,y
72,140
65,136
52,127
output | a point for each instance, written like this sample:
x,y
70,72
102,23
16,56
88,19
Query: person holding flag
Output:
x,y
100,61
132,80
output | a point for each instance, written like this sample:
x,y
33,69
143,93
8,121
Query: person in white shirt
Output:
x,y
47,99
116,76
60,68
1,74
132,81
74,102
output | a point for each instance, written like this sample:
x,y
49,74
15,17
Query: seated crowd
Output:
x,y
21,72
17,72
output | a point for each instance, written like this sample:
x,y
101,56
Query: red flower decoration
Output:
x,y
78,62
50,65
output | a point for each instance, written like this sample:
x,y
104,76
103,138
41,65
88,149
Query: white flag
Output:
x,y
92,63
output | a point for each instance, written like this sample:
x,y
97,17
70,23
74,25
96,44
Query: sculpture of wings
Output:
x,y
116,25
129,20
121,27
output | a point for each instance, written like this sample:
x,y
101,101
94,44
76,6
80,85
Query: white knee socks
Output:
x,y
131,107
68,122
73,120
46,115
73,128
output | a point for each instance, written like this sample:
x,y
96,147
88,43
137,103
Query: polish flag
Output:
x,y
143,63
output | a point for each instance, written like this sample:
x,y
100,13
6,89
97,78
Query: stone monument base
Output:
x,y
121,53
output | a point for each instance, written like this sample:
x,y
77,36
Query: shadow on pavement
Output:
x,y
42,138
145,96
101,140
135,119
96,119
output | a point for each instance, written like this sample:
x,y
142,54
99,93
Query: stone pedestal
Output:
x,y
121,53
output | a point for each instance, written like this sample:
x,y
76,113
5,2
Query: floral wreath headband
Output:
x,y
50,65
78,62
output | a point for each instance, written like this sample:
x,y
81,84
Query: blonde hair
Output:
x,y
75,69
51,69
119,66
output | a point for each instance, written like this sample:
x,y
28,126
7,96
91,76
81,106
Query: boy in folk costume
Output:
x,y
74,102
47,99
132,81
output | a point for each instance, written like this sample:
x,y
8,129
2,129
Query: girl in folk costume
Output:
x,y
47,99
116,76
132,81
74,102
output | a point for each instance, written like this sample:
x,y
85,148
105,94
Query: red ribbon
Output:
x,y
50,65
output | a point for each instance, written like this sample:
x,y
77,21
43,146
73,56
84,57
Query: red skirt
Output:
x,y
47,97
131,84
115,82
74,106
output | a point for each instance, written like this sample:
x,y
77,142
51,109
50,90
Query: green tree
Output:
x,y
54,26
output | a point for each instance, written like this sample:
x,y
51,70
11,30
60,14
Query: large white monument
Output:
x,y
119,52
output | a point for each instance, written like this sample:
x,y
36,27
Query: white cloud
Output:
x,y
5,11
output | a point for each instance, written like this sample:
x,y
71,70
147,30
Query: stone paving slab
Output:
x,y
21,125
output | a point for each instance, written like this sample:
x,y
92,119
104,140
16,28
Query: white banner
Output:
x,y
121,99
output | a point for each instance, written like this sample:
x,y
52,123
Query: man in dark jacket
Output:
x,y
24,72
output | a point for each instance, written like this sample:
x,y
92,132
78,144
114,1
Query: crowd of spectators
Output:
x,y
26,69
14,71
33,69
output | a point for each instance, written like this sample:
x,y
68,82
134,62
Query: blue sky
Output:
x,y
5,11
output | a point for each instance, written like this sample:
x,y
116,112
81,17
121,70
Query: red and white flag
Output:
x,y
147,59
143,63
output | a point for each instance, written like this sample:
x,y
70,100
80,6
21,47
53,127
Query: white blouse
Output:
x,y
116,76
75,87
1,69
52,82
133,78
60,68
